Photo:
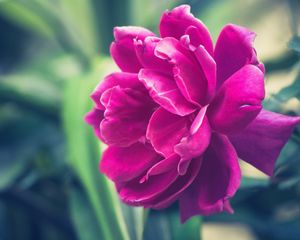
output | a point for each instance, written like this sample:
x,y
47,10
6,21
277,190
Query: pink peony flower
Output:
x,y
181,113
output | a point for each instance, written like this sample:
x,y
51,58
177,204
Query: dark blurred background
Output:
x,y
53,52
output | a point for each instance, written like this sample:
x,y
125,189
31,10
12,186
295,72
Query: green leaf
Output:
x,y
78,19
189,230
38,84
22,136
31,90
83,216
84,154
25,15
157,226
135,220
166,225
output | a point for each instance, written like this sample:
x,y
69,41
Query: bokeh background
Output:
x,y
52,54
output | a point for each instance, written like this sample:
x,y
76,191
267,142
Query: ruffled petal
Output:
x,y
137,193
209,69
206,63
94,118
125,164
217,181
162,166
126,116
145,54
187,73
238,102
165,92
165,130
159,191
195,143
178,187
122,49
176,22
234,49
124,80
261,142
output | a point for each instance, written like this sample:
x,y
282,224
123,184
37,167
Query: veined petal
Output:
x,y
195,143
175,23
136,193
209,69
165,130
261,142
165,92
187,73
163,166
145,54
126,116
125,164
122,49
238,101
234,49
217,181
177,188
124,80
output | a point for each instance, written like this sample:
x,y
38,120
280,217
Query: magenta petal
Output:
x,y
122,49
137,193
166,130
261,142
126,116
178,187
217,181
209,69
125,80
174,23
165,92
125,164
162,166
238,101
234,49
187,73
196,142
94,118
145,53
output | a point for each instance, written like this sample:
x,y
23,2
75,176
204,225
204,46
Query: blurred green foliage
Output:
x,y
50,187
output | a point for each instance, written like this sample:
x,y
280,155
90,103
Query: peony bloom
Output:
x,y
181,113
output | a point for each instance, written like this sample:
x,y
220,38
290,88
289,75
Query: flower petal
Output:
x,y
125,164
122,49
94,118
261,142
145,54
195,143
238,101
177,187
234,49
136,193
187,73
124,80
162,166
126,116
217,181
165,130
207,64
165,92
209,69
175,23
